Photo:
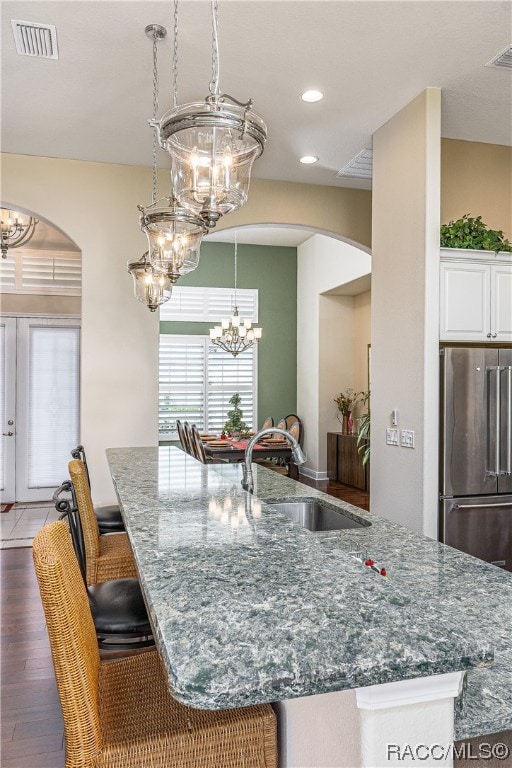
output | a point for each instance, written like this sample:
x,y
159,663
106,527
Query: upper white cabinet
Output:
x,y
475,296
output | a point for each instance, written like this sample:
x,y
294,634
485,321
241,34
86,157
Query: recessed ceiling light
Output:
x,y
309,159
312,96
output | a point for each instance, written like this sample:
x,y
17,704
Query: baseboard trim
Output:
x,y
313,474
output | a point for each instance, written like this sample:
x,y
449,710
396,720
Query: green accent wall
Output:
x,y
273,271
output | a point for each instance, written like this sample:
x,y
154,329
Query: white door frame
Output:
x,y
8,436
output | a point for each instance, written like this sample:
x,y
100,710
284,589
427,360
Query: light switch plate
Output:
x,y
407,438
392,436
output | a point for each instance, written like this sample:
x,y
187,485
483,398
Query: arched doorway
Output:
x,y
40,290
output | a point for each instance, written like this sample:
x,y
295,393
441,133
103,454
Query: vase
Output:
x,y
346,422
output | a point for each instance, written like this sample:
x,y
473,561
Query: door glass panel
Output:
x,y
53,403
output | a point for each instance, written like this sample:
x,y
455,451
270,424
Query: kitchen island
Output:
x,y
249,607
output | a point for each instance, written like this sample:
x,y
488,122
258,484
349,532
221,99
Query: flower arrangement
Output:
x,y
346,400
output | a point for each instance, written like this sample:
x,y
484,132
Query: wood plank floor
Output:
x,y
32,727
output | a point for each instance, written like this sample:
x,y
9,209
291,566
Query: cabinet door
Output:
x,y
464,301
501,302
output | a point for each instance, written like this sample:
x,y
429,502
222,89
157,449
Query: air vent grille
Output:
x,y
503,60
360,167
34,39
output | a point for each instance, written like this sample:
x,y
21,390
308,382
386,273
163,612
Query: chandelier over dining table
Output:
x,y
234,334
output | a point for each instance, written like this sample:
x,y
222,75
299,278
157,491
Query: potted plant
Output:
x,y
363,430
471,232
234,426
345,402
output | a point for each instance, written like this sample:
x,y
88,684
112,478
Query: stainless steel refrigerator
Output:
x,y
476,457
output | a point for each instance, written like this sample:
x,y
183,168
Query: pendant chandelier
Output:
x,y
174,234
150,288
235,335
16,229
213,144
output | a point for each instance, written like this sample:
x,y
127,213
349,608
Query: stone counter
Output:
x,y
248,607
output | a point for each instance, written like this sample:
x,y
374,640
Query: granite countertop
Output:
x,y
249,607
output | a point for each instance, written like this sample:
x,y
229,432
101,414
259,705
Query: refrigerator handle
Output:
x,y
494,450
507,370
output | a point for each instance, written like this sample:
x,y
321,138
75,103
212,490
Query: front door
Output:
x,y
41,367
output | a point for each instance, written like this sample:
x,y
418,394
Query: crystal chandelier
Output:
x,y
234,334
17,230
151,288
213,144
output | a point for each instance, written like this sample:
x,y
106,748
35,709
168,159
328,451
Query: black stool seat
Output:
x,y
118,606
109,519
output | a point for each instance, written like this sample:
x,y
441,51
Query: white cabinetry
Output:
x,y
475,296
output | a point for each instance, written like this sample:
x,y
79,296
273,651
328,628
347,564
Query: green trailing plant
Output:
x,y
234,422
363,430
471,232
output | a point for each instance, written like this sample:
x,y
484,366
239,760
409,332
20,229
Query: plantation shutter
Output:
x,y
181,382
227,375
196,380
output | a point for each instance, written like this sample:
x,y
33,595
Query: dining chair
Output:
x,y
187,431
198,452
108,517
106,557
117,606
292,419
120,713
269,422
181,434
281,424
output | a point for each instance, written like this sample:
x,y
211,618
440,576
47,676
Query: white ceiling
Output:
x,y
369,58
261,235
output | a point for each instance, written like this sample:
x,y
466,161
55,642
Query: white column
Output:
x,y
409,722
371,727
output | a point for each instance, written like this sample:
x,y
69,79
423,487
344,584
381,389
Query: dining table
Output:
x,y
229,449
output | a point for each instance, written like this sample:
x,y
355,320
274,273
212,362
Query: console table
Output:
x,y
344,462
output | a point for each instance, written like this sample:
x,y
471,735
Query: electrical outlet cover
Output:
x,y
392,436
407,438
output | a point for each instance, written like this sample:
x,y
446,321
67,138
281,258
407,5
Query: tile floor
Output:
x,y
19,526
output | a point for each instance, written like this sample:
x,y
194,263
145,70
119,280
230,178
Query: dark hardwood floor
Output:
x,y
32,727
340,490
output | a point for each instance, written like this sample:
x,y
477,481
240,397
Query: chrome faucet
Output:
x,y
297,454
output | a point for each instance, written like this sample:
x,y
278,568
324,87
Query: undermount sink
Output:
x,y
315,516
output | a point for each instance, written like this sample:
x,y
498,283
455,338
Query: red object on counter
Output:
x,y
383,572
369,562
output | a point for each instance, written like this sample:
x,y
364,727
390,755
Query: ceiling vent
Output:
x,y
503,60
34,39
360,167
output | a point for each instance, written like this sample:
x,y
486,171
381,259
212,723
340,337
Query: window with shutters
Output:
x,y
207,305
43,272
196,380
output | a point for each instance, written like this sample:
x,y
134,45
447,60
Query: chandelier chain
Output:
x,y
155,113
236,264
214,85
175,57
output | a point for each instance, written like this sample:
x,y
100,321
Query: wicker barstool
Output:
x,y
119,714
106,557
108,516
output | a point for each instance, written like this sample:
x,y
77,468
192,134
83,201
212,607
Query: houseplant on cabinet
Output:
x,y
472,233
345,402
